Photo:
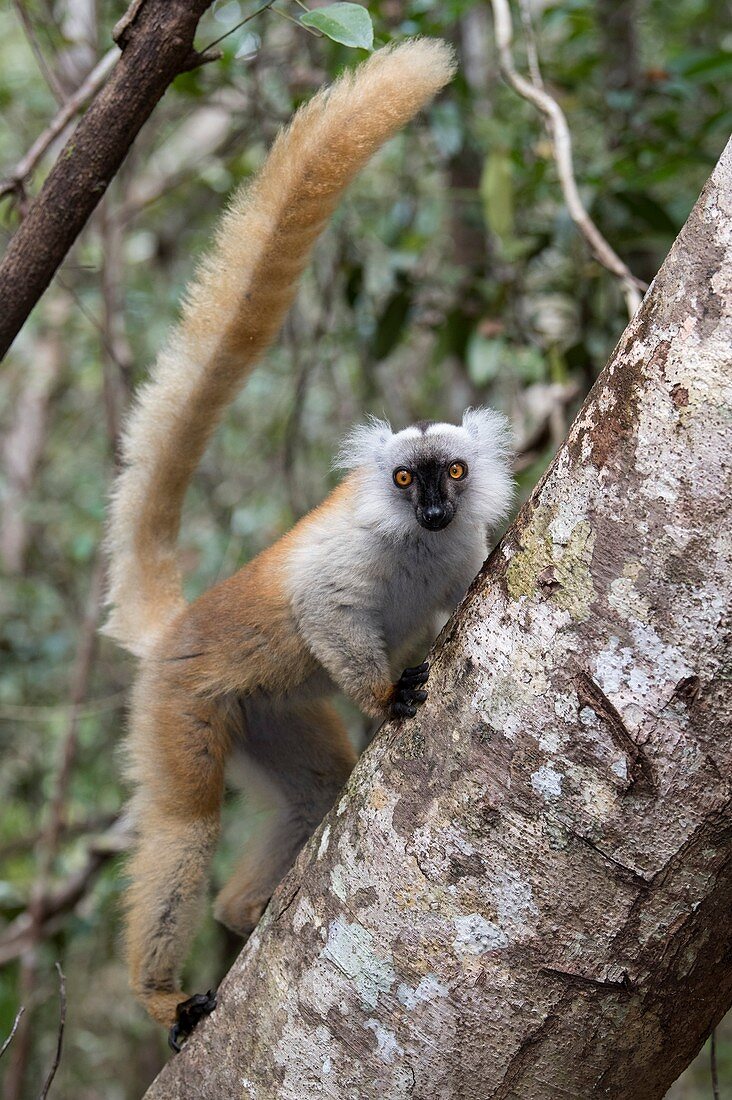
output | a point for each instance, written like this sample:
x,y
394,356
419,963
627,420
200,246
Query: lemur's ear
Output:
x,y
489,429
363,445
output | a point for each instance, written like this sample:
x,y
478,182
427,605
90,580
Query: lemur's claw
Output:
x,y
407,693
187,1015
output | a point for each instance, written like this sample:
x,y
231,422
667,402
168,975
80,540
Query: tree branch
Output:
x,y
17,177
157,44
60,1034
562,142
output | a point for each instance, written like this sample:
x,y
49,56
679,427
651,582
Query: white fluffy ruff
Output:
x,y
482,440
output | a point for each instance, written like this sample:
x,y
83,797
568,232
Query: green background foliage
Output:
x,y
452,275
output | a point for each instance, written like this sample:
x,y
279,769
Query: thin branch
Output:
x,y
30,33
157,45
302,26
79,687
60,1041
29,927
117,356
69,831
18,176
562,142
13,1030
18,712
532,53
247,19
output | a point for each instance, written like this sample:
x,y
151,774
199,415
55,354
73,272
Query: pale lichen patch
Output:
x,y
475,935
428,989
555,561
352,950
386,1041
304,914
547,782
324,841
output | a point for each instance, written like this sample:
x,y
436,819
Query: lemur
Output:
x,y
243,675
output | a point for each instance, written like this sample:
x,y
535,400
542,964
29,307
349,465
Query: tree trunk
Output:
x,y
525,891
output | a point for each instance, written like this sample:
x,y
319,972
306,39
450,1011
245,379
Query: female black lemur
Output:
x,y
243,675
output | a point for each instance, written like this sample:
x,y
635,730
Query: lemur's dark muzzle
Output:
x,y
434,517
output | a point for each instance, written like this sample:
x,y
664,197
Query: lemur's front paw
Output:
x,y
408,695
187,1015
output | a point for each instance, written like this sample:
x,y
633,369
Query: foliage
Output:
x,y
452,275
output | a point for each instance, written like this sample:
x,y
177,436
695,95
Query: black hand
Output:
x,y
187,1015
407,692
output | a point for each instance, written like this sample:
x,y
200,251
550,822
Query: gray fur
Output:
x,y
365,577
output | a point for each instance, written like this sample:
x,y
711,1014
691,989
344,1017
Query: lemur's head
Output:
x,y
431,472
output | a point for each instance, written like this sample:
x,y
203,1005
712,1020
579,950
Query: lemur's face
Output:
x,y
427,475
432,479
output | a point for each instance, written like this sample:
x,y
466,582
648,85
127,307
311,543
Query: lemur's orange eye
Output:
x,y
402,478
457,471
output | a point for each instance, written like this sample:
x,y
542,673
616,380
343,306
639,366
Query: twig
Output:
x,y
713,1064
117,358
22,448
27,931
562,142
247,19
79,686
302,26
532,54
157,45
48,75
13,1030
46,913
17,177
69,831
60,1042
18,712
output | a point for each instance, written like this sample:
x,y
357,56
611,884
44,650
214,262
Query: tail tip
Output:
x,y
432,59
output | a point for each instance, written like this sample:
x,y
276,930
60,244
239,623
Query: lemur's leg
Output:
x,y
177,757
294,759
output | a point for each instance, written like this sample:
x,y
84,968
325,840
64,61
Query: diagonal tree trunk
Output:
x,y
525,892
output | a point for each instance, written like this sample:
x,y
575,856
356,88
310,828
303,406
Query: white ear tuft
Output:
x,y
490,430
363,444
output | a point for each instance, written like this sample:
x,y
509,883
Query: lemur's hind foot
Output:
x,y
407,692
187,1015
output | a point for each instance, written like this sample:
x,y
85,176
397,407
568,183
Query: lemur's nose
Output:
x,y
434,515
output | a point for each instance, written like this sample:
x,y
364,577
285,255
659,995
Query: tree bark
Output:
x,y
157,45
525,891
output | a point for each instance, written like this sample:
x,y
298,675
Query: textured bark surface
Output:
x,y
525,892
157,45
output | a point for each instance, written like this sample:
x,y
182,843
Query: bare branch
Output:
x,y
13,1030
562,142
60,1041
18,176
28,928
19,712
157,45
47,72
69,831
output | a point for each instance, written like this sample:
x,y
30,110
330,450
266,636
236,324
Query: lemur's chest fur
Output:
x,y
398,584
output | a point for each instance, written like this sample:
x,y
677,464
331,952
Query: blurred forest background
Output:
x,y
452,275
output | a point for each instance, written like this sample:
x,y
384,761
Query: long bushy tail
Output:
x,y
233,311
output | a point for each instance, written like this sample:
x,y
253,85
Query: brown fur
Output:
x,y
230,672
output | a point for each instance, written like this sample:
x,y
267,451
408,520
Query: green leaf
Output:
x,y
496,192
349,24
